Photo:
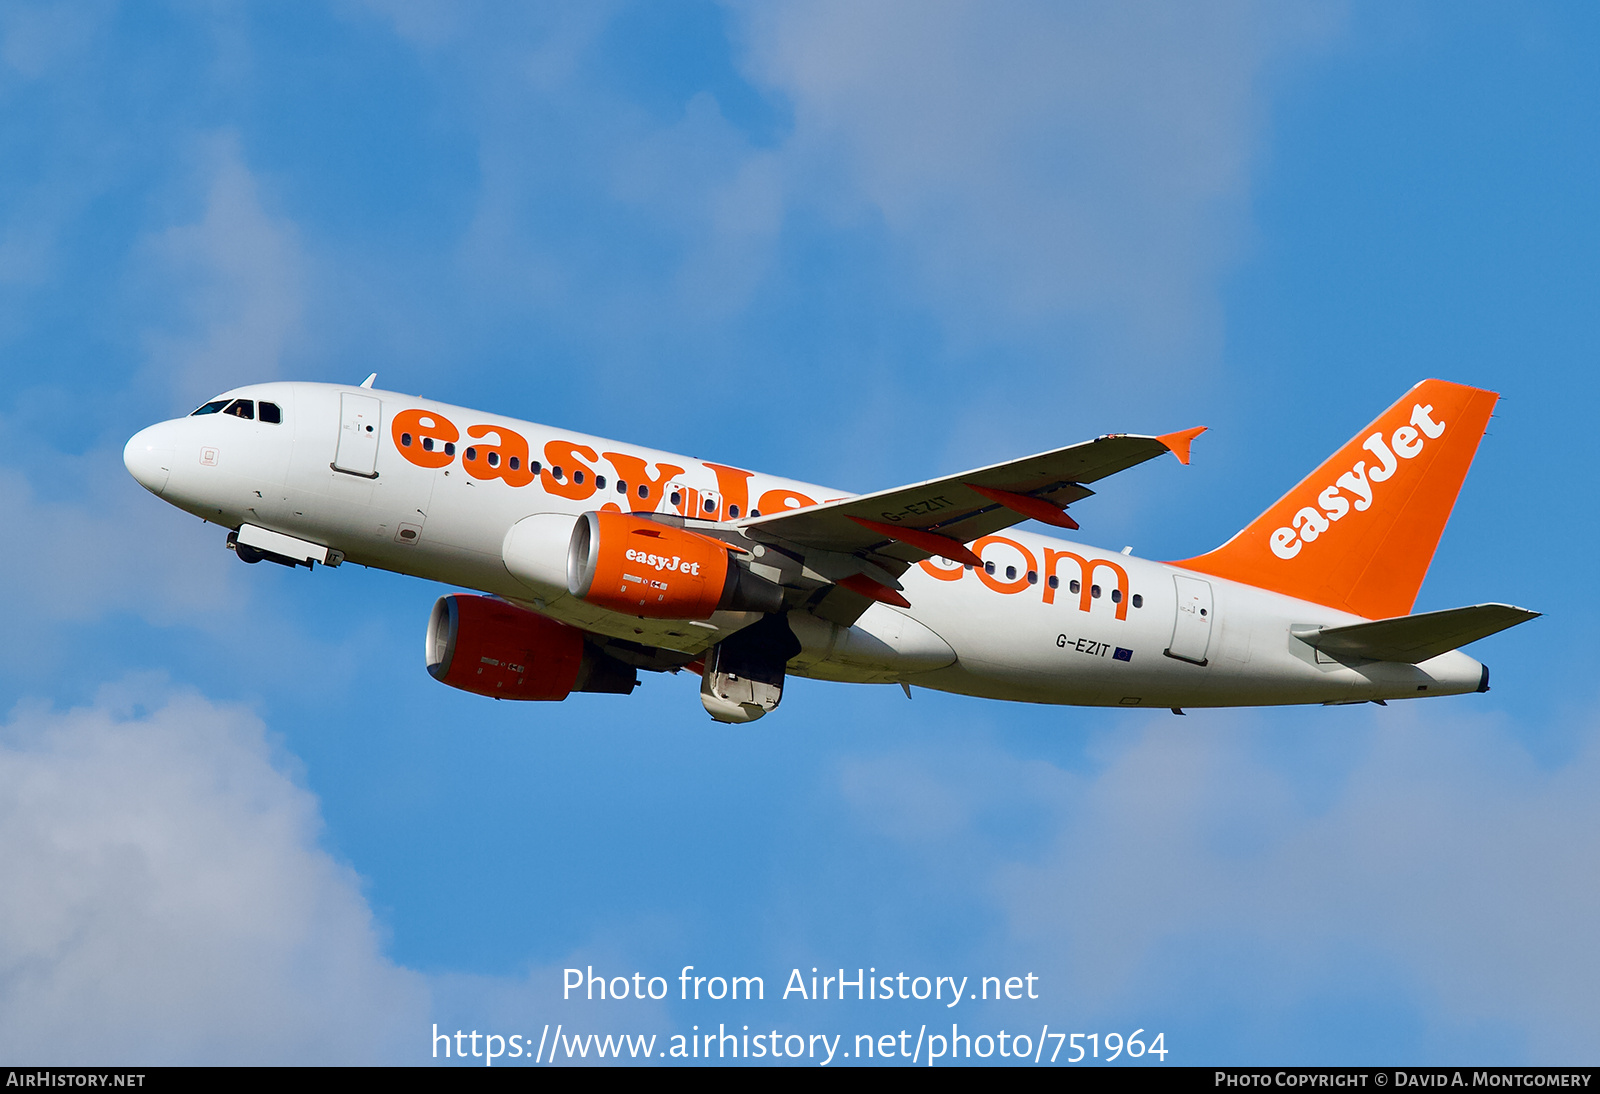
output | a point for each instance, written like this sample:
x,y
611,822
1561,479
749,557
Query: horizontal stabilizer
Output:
x,y
1414,638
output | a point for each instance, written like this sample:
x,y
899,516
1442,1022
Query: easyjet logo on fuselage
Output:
x,y
574,471
1361,482
1019,580
428,439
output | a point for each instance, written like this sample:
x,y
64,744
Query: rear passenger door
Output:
x,y
1191,628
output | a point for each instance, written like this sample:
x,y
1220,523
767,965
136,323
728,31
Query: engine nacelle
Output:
x,y
646,568
484,645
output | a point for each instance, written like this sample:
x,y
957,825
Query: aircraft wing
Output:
x,y
939,515
1415,638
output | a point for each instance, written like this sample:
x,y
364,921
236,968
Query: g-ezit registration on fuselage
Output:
x,y
601,559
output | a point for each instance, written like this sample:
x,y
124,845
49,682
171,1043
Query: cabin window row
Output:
x,y
557,472
1073,586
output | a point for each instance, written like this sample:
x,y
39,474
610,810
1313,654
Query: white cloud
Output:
x,y
1425,840
1032,162
1037,161
166,899
239,274
1040,201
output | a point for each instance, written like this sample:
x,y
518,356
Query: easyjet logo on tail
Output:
x,y
1358,533
1356,488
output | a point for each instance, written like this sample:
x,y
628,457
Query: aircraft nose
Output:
x,y
148,457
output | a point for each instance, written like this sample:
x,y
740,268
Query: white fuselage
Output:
x,y
1006,635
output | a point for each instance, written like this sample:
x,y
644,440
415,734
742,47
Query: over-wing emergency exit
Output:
x,y
593,560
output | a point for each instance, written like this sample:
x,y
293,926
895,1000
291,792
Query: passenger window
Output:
x,y
210,408
676,499
711,506
1033,577
1094,591
534,467
514,462
1011,573
733,512
242,408
405,440
988,567
757,513
449,447
470,454
577,477
599,480
1054,582
622,486
1074,586
271,414
1138,601
1116,596
644,492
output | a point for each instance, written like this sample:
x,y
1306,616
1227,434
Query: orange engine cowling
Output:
x,y
484,645
646,568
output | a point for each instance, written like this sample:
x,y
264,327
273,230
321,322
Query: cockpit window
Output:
x,y
271,414
210,408
242,408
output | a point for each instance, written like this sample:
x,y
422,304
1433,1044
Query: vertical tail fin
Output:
x,y
1359,532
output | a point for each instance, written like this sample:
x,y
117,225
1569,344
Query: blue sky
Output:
x,y
858,244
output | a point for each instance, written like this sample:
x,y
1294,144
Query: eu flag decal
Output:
x,y
1122,655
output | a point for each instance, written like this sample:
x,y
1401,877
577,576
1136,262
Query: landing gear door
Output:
x,y
1191,630
358,435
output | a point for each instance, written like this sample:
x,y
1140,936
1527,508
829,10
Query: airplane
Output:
x,y
591,560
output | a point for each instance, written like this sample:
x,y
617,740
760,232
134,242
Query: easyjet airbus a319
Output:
x,y
594,559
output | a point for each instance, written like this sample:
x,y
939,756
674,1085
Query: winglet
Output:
x,y
1178,443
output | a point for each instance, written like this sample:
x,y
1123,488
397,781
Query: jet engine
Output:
x,y
484,645
646,568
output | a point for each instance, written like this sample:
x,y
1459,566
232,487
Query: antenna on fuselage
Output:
x,y
368,381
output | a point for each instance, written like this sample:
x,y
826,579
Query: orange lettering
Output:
x,y
776,501
734,486
1086,572
943,573
420,436
988,579
577,481
507,460
636,473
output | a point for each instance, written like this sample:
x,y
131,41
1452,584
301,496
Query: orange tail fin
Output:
x,y
1359,532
